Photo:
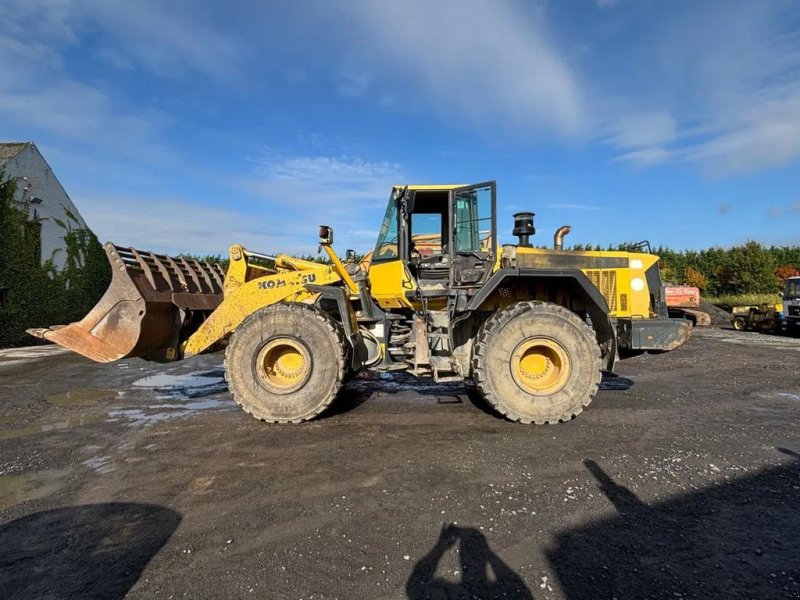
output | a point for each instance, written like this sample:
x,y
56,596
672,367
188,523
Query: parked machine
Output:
x,y
791,305
533,328
765,318
683,301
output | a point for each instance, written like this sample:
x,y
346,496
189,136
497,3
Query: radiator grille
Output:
x,y
606,282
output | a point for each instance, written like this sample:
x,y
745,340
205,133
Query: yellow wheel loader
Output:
x,y
533,328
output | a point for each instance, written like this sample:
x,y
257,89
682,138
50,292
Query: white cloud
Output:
x,y
643,129
164,38
487,61
75,110
646,157
41,20
280,206
293,195
347,193
174,225
40,100
355,175
732,78
768,135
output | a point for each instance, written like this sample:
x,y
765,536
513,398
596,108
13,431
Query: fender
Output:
x,y
346,316
579,284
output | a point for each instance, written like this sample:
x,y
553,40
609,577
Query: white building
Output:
x,y
46,199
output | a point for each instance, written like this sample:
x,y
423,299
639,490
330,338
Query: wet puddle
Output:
x,y
82,397
781,395
773,402
19,356
19,432
158,413
99,464
177,395
15,489
190,385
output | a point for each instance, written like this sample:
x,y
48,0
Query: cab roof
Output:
x,y
430,187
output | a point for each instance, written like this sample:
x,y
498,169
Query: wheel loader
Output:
x,y
439,297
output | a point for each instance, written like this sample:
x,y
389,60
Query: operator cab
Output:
x,y
444,235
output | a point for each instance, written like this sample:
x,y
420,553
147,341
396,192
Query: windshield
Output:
x,y
792,289
386,248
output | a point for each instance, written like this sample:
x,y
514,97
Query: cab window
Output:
x,y
473,214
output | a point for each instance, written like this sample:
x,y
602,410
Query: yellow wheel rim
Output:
x,y
283,365
540,366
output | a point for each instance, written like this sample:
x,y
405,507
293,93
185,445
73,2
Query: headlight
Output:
x,y
637,284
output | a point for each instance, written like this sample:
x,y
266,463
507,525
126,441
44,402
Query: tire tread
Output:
x,y
493,325
313,312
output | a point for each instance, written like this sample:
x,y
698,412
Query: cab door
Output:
x,y
389,277
473,233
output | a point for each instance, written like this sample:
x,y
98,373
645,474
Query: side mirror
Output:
x,y
326,234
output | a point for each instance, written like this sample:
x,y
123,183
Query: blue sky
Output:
x,y
192,124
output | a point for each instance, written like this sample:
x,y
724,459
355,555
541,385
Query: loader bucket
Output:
x,y
153,304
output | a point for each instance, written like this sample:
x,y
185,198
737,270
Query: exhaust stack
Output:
x,y
523,228
558,238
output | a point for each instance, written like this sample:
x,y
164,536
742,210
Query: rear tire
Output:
x,y
285,363
536,362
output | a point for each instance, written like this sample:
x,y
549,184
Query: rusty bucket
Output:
x,y
153,304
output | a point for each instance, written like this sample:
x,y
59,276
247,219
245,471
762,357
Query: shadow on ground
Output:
x,y
482,574
90,551
739,539
615,382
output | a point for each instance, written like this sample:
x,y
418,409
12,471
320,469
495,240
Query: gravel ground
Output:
x,y
682,480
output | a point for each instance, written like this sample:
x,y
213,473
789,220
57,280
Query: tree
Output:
x,y
785,271
752,270
695,278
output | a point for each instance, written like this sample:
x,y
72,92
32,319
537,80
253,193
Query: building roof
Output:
x,y
9,150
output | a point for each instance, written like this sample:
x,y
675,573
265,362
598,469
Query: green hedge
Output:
x,y
37,294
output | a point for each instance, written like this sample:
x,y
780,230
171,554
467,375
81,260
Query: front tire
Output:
x,y
285,363
536,362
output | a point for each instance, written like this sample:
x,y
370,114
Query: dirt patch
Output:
x,y
679,481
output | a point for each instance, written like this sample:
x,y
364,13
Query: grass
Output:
x,y
728,302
